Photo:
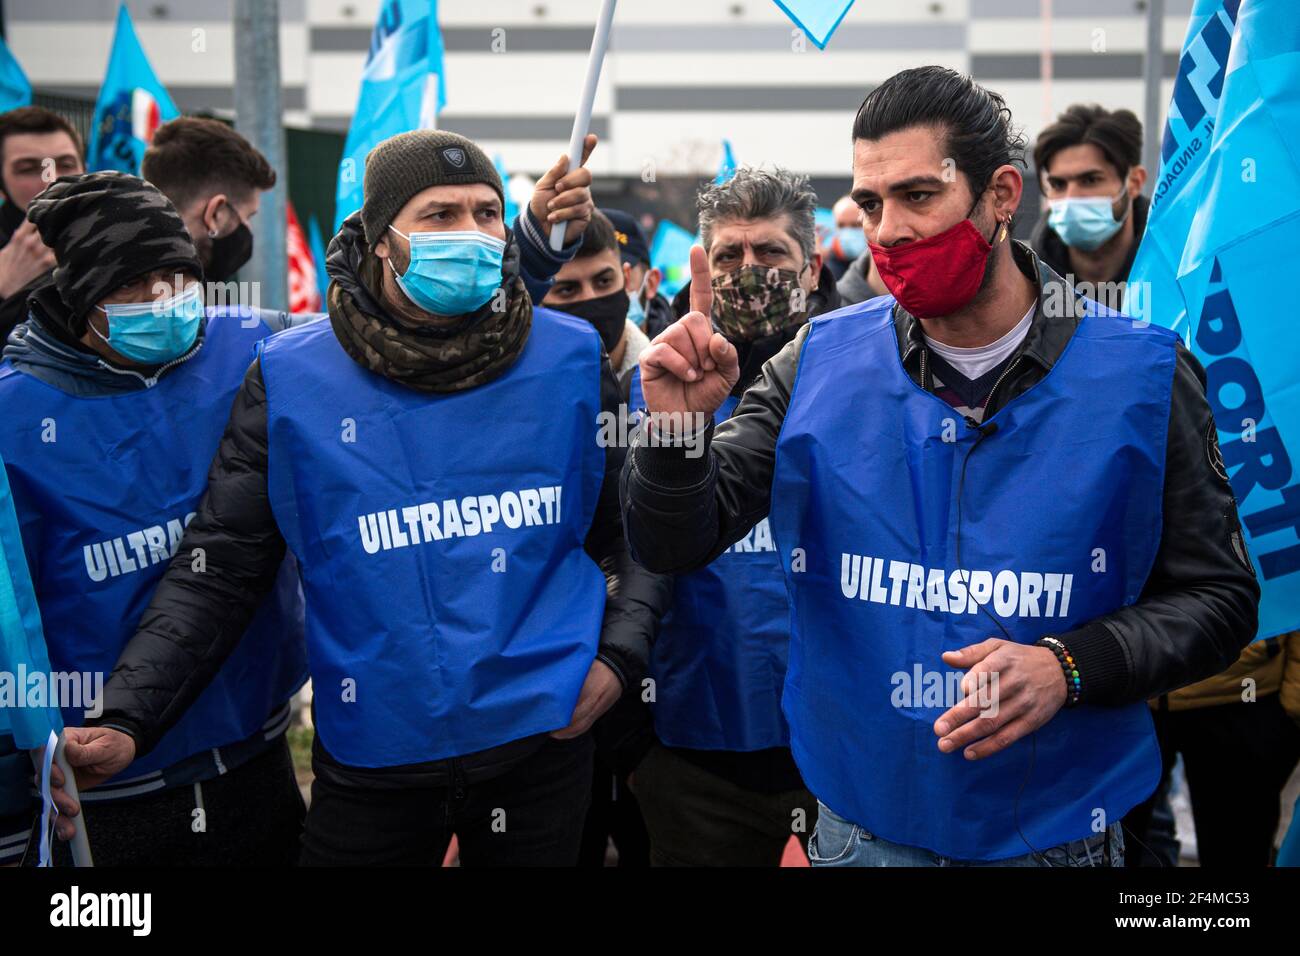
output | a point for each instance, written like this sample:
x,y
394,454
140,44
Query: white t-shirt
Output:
x,y
975,362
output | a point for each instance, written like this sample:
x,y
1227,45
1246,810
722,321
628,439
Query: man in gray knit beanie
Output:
x,y
409,163
479,689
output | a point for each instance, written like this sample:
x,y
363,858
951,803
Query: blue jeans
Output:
x,y
837,842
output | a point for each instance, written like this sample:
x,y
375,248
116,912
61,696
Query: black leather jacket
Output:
x,y
195,620
1200,603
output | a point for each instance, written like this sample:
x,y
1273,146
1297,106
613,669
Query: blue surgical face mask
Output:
x,y
852,241
635,308
1086,222
154,332
451,273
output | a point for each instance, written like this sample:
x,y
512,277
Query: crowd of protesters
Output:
x,y
857,464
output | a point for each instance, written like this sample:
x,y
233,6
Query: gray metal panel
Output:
x,y
142,11
665,38
491,127
719,98
1065,66
189,98
1032,9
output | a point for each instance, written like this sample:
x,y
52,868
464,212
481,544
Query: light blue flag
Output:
x,y
402,88
1219,255
132,104
317,244
670,253
727,168
817,18
25,710
512,208
15,90
823,224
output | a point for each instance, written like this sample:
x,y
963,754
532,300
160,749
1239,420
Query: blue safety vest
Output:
x,y
1061,518
104,488
450,604
718,661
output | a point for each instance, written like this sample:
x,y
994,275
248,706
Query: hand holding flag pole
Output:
x,y
79,843
582,119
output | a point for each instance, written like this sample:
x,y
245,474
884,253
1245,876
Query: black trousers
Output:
x,y
530,815
1237,757
696,818
251,816
614,815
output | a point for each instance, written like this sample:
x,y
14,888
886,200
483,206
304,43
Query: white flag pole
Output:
x,y
80,845
582,119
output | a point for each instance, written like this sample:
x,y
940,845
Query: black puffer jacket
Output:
x,y
1200,604
195,620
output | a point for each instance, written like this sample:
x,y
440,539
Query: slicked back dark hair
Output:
x,y
1117,134
192,155
597,237
974,122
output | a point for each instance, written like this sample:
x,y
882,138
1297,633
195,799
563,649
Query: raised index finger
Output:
x,y
701,282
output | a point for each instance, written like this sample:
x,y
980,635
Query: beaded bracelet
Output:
x,y
1073,685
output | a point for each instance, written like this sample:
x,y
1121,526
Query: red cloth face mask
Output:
x,y
938,275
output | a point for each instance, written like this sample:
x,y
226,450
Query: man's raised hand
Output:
x,y
689,368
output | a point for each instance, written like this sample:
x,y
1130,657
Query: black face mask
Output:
x,y
229,253
607,313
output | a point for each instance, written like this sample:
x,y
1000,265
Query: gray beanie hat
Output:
x,y
407,163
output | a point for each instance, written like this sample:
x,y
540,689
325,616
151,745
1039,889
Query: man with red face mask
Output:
x,y
1000,511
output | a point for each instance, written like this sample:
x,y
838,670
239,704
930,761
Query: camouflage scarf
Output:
x,y
476,350
753,302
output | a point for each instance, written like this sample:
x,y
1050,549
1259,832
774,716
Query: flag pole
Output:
x,y
1152,72
582,119
80,844
258,117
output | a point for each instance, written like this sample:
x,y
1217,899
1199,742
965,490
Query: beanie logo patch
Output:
x,y
454,156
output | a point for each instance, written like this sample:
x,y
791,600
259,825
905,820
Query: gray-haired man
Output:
x,y
720,787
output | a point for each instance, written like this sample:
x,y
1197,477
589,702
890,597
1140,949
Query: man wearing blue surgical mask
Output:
x,y
1089,166
118,387
433,458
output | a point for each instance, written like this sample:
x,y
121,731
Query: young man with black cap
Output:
x,y
596,285
430,456
649,308
116,392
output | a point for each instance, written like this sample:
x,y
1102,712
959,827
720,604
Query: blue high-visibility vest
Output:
x,y
1060,524
450,604
718,661
104,488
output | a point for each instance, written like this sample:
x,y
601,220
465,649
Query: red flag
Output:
x,y
304,293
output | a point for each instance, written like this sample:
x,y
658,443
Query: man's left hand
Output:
x,y
1030,689
564,196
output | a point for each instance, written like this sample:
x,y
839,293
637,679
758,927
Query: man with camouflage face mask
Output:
x,y
720,787
767,274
